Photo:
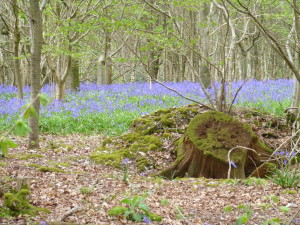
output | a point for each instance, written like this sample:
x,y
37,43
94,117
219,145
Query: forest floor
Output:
x,y
83,192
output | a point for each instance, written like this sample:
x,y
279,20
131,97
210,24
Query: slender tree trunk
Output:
x,y
36,33
296,100
75,75
16,43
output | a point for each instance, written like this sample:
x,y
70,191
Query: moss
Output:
x,y
2,164
50,169
213,184
46,168
143,164
167,135
290,192
31,156
142,137
215,141
168,120
17,204
58,164
187,110
113,159
145,126
106,141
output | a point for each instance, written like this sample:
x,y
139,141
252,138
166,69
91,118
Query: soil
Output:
x,y
84,191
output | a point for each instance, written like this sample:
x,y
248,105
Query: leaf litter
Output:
x,y
86,191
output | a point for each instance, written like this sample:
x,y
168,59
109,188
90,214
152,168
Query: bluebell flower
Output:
x,y
126,161
233,164
147,220
43,223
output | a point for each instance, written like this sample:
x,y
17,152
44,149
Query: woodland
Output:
x,y
149,111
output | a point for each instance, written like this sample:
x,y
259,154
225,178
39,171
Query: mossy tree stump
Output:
x,y
203,149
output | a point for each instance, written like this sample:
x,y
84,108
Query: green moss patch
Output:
x,y
147,134
30,156
47,168
16,204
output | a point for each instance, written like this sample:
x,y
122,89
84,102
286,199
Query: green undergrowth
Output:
x,y
46,168
146,134
15,204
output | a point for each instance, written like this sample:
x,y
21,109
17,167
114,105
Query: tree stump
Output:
x,y
203,149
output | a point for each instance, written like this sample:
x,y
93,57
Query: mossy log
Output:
x,y
203,149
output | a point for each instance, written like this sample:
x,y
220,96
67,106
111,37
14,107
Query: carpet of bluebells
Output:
x,y
110,109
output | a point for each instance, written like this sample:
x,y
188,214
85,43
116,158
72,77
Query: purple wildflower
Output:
x,y
285,162
43,223
233,164
126,161
147,220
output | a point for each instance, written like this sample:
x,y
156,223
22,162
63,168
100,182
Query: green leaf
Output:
x,y
21,128
144,207
126,201
117,211
137,217
45,100
284,209
30,111
242,220
164,202
154,217
6,143
227,208
273,221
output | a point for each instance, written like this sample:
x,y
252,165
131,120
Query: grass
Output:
x,y
110,109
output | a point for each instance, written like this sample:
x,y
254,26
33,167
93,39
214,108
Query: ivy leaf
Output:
x,y
21,128
45,100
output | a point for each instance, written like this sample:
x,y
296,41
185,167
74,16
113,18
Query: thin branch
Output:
x,y
162,84
228,156
43,5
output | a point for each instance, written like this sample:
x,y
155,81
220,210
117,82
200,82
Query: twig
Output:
x,y
69,213
229,161
179,211
236,94
293,217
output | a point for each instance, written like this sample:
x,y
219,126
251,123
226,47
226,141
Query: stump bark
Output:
x,y
203,149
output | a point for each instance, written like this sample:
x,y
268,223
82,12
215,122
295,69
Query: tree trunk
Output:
x,y
75,75
60,90
36,32
16,43
203,150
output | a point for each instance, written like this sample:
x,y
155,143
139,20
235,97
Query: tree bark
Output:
x,y
36,33
16,43
203,150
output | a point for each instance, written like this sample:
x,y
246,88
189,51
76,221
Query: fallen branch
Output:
x,y
69,213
